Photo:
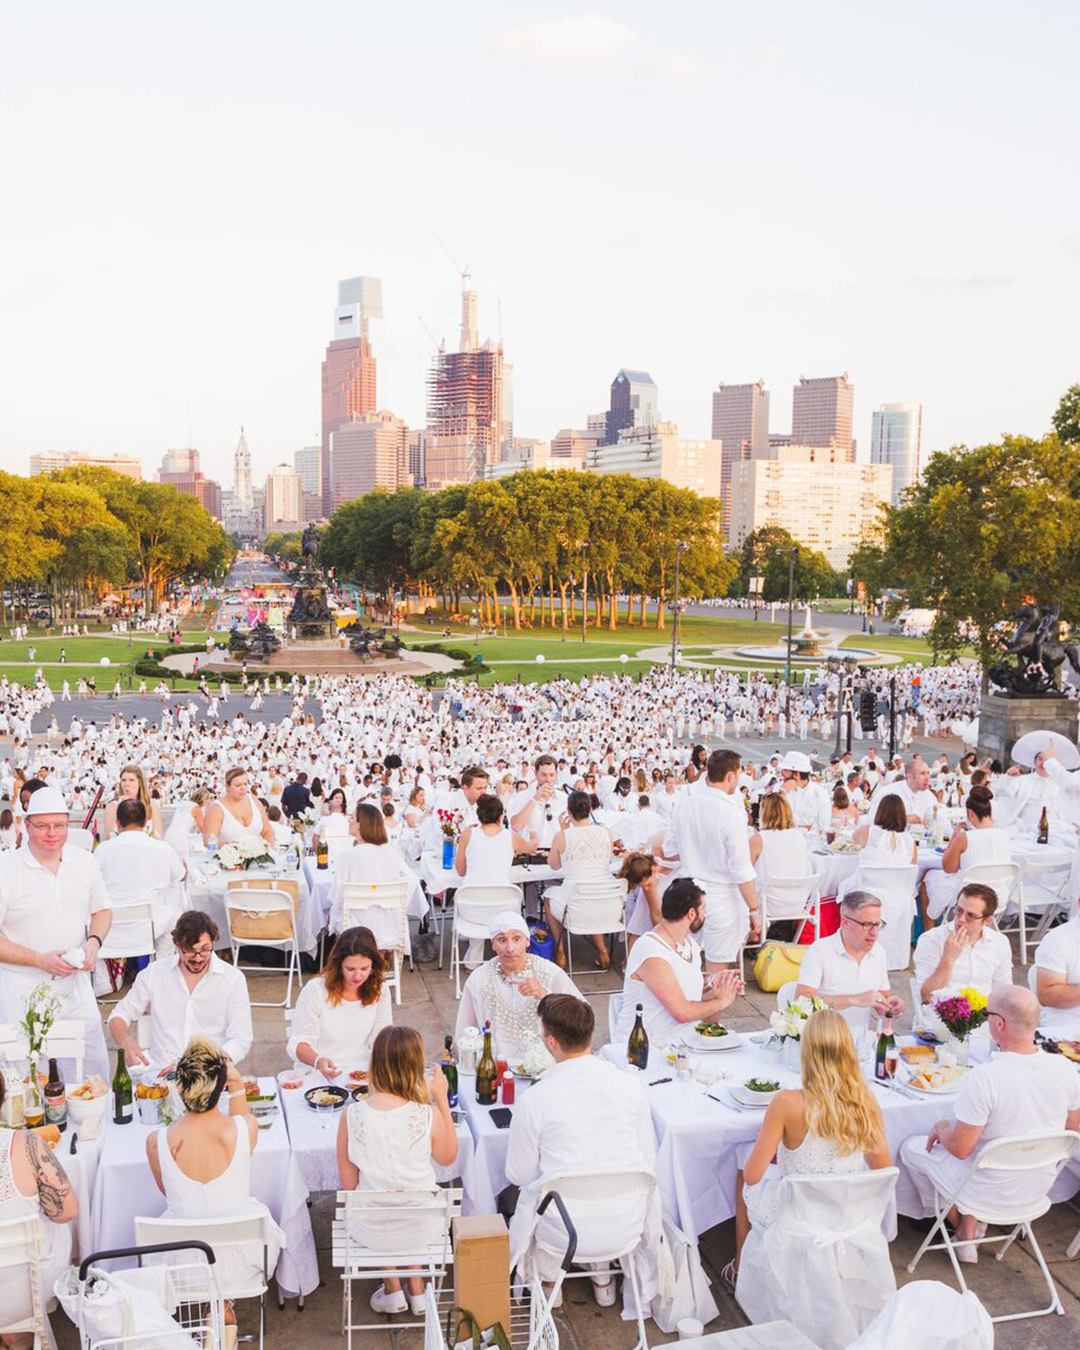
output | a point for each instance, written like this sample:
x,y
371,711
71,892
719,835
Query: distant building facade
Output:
x,y
348,368
823,413
467,424
49,461
634,404
182,469
306,463
283,502
660,452
896,439
371,451
740,422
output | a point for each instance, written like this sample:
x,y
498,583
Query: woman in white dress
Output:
x,y
976,841
238,814
390,1141
779,851
485,851
202,1162
664,974
831,1125
583,851
187,821
644,883
133,784
32,1181
341,1011
334,827
887,842
374,858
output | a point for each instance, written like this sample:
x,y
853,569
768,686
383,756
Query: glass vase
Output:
x,y
34,1097
447,854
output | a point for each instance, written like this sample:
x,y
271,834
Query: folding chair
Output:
x,y
20,1249
1007,882
380,906
783,899
894,886
131,934
595,908
1046,890
474,909
785,995
263,917
1014,1153
66,1040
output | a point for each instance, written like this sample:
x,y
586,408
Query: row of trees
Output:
x,y
538,537
766,553
82,530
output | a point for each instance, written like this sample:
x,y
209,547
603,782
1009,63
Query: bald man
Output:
x,y
1022,1090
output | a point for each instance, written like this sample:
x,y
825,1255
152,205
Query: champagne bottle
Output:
x,y
637,1048
1044,828
322,857
55,1099
449,1069
123,1105
886,1041
487,1072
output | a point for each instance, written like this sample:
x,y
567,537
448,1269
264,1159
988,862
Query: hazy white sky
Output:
x,y
712,191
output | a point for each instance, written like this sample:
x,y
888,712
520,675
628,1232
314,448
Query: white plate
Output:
x,y
743,1097
949,1091
705,1044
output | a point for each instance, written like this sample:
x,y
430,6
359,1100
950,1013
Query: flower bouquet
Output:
x,y
42,1007
245,853
450,825
957,1010
787,1027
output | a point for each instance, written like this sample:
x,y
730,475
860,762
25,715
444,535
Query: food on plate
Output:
x,y
917,1054
359,1075
710,1029
291,1084
151,1092
251,1087
50,1133
325,1097
937,1077
761,1085
94,1087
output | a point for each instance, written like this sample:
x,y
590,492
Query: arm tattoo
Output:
x,y
52,1181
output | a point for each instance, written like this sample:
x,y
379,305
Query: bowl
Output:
x,y
290,1080
87,1114
264,1110
749,1096
326,1098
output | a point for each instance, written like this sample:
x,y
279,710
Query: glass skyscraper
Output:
x,y
896,439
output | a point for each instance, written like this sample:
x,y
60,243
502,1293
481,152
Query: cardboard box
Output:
x,y
482,1268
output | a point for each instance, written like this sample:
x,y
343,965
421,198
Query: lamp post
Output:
x,y
675,609
790,601
584,593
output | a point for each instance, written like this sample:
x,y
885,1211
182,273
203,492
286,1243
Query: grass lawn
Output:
x,y
531,673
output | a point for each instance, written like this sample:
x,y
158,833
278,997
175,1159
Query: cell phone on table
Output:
x,y
502,1116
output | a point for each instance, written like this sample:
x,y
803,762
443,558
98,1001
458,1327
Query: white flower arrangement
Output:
x,y
42,1008
788,1025
244,853
536,1060
308,816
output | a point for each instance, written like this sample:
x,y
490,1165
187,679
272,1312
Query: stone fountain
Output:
x,y
808,642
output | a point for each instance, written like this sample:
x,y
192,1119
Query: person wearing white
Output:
x,y
1068,800
663,972
968,952
554,1130
238,814
810,804
779,852
1019,1091
709,837
1028,794
539,812
914,792
887,842
1057,978
462,803
505,990
186,823
848,969
977,841
137,869
192,993
582,851
371,860
53,906
341,1011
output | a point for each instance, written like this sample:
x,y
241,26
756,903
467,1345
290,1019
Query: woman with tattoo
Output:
x,y
32,1181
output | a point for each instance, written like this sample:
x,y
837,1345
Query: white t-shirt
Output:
x,y
987,963
1059,951
48,912
828,968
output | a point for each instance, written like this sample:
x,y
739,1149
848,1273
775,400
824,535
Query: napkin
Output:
x,y
74,956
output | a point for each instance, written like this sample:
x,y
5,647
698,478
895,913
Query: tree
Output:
x,y
1066,419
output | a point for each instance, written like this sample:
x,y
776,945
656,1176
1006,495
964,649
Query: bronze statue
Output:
x,y
1040,655
309,544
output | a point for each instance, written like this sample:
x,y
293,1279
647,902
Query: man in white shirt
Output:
x,y
848,969
1067,802
710,837
664,802
137,869
1057,975
474,783
54,916
809,802
914,792
192,993
1027,794
554,1130
1019,1091
968,952
540,811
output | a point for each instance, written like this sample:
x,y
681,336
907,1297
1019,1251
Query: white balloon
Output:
x,y
624,658
104,661
540,658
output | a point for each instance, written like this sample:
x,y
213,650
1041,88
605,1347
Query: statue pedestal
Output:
x,y
1002,721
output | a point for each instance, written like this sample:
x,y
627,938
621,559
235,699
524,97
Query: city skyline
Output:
x,y
195,291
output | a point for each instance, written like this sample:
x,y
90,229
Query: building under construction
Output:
x,y
467,407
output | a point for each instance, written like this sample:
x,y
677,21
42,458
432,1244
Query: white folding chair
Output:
x,y
390,1212
823,1263
785,995
1006,879
263,918
131,934
337,848
474,909
894,886
614,1008
380,906
786,898
1046,886
66,1040
220,1234
595,908
1014,1153
579,1199
80,838
20,1250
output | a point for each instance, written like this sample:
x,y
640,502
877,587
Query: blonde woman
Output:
x,y
390,1140
238,814
830,1125
133,785
779,849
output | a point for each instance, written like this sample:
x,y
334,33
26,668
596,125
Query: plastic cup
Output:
x,y
689,1328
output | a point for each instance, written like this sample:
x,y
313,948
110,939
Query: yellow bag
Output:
x,y
777,963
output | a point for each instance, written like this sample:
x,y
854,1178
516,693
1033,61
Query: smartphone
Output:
x,y
502,1116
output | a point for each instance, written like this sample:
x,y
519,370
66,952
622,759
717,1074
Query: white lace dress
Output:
x,y
55,1246
586,857
814,1157
392,1151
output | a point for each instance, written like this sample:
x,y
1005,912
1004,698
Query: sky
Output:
x,y
709,191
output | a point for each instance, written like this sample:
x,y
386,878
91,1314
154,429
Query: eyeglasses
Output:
x,y
47,829
967,914
991,1013
871,925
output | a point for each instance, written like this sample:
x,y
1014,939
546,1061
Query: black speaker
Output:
x,y
868,710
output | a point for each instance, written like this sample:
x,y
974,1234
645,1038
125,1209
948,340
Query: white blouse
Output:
x,y
343,1033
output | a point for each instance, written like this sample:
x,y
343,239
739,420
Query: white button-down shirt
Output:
x,y
981,966
829,968
218,1007
543,817
919,804
137,869
48,911
709,834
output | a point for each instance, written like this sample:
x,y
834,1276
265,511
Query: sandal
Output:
x,y
730,1275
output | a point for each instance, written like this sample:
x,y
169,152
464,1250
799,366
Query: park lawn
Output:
x,y
92,648
912,649
531,673
694,630
104,675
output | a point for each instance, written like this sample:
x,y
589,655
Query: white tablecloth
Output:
x,y
206,891
321,885
124,1187
439,879
837,867
485,1176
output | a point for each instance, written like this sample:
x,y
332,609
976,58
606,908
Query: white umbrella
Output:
x,y
1032,743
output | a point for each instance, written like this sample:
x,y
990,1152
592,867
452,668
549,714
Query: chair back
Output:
x,y
1003,877
380,906
220,1234
596,906
789,897
414,1229
131,933
1027,1152
839,1203
480,904
614,1008
260,912
785,995
884,880
20,1247
336,848
80,838
586,1196
66,1040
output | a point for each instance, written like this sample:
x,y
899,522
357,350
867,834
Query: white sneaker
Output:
x,y
605,1292
382,1302
967,1254
416,1303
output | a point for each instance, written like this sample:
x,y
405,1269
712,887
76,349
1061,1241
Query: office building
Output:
x,y
569,443
659,452
417,455
596,422
182,469
283,504
634,404
306,463
533,454
896,439
466,426
740,422
179,461
348,368
827,506
49,461
822,414
371,451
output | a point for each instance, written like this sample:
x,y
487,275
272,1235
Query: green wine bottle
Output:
x,y
637,1048
449,1068
123,1103
487,1072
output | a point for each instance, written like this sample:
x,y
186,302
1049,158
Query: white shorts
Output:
x,y
727,921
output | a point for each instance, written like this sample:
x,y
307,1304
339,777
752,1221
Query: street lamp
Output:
x,y
792,555
584,593
675,608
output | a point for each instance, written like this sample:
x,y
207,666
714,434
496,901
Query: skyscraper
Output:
x,y
284,498
740,422
822,414
369,452
896,439
242,472
181,468
466,428
634,403
348,368
307,462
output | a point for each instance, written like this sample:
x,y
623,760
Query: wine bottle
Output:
x,y
449,1069
637,1047
123,1104
1044,828
487,1072
322,856
886,1041
55,1099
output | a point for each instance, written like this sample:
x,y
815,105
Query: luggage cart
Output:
x,y
172,1306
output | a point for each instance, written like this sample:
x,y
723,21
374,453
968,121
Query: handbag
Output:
x,y
494,1338
776,964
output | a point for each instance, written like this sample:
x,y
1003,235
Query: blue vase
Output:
x,y
447,854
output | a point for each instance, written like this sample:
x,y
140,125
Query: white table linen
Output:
x,y
207,887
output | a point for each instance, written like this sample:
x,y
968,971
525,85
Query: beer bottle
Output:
x,y
487,1072
123,1104
55,1099
637,1047
1043,836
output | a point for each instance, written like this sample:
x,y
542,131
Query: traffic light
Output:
x,y
867,710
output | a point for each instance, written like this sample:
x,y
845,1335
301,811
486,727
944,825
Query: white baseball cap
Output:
x,y
46,801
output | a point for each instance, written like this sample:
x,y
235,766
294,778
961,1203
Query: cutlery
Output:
x,y
657,1081
896,1087
74,1141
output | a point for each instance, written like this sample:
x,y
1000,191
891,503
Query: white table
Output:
x,y
124,1187
837,867
321,885
207,886
765,1336
439,878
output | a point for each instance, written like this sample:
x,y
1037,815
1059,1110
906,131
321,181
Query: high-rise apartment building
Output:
x,y
896,439
634,403
418,455
569,443
283,503
242,486
49,461
740,422
306,463
466,424
181,468
180,461
348,368
822,414
370,452
659,452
